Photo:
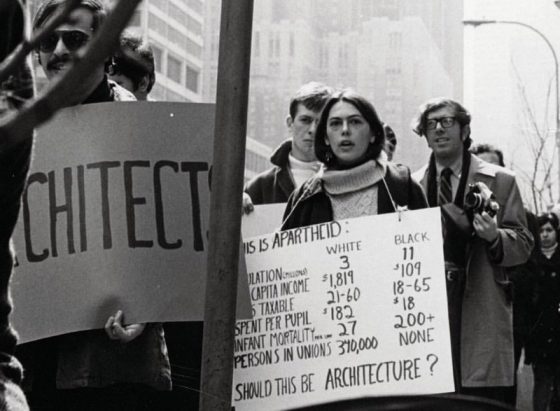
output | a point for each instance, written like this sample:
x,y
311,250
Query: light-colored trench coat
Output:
x,y
486,325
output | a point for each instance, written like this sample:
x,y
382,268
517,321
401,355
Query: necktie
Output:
x,y
445,193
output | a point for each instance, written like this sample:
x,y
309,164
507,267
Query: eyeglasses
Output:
x,y
72,39
445,122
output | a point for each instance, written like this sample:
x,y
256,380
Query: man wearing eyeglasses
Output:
x,y
477,249
122,366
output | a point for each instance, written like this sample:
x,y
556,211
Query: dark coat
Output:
x,y
543,343
307,207
275,184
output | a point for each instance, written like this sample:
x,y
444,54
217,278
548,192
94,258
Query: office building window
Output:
x,y
174,69
176,37
192,79
160,4
195,5
157,24
194,26
176,13
194,48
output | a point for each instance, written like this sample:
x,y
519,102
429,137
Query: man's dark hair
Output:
x,y
366,109
312,96
488,148
461,115
47,8
135,60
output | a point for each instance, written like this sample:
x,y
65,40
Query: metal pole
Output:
x,y
476,23
225,204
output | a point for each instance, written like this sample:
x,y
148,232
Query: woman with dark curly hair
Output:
x,y
543,346
356,181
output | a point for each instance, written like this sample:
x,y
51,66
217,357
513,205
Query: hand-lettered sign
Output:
x,y
114,216
342,310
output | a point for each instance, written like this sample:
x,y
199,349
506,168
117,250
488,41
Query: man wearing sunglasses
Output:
x,y
122,365
57,52
478,247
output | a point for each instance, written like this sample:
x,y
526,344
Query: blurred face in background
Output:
x,y
548,235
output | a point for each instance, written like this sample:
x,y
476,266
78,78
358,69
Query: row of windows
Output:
x,y
195,5
274,45
174,35
175,70
181,16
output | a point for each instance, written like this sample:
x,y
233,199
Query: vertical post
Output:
x,y
225,204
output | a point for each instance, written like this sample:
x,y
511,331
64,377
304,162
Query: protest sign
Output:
x,y
342,310
264,219
115,216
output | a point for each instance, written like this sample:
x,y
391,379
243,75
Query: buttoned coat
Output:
x,y
486,327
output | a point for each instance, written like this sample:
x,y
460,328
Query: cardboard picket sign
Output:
x,y
342,310
115,216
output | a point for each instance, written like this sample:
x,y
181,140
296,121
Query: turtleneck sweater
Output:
x,y
302,170
353,192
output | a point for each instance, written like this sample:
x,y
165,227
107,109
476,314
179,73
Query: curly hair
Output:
x,y
135,60
461,114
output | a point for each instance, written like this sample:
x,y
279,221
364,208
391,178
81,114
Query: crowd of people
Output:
x,y
502,264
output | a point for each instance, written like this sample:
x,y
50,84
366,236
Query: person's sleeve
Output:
x,y
417,198
254,189
514,243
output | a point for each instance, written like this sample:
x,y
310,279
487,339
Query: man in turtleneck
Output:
x,y
478,247
294,160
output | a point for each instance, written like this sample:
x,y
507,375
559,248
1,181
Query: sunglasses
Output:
x,y
72,39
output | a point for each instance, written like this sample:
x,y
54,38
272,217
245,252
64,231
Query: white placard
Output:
x,y
115,217
343,310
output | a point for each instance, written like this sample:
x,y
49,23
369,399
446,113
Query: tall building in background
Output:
x,y
174,29
396,52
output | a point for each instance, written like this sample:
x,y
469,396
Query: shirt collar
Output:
x,y
455,167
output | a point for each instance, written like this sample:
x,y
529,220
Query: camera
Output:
x,y
480,198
